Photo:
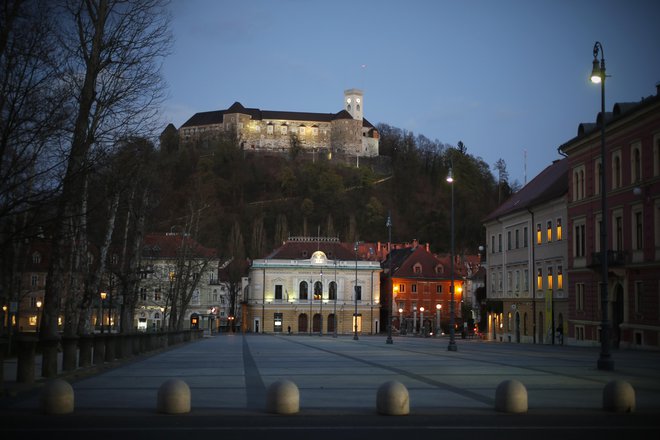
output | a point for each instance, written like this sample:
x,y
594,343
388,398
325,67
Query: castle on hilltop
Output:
x,y
344,133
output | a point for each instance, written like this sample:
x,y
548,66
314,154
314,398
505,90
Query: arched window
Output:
x,y
333,291
302,292
318,291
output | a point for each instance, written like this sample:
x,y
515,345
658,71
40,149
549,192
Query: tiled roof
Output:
x,y
216,117
550,184
165,245
292,250
405,260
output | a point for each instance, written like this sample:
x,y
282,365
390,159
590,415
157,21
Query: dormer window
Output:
x,y
439,269
36,258
417,269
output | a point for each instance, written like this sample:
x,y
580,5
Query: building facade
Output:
x,y
421,284
346,132
632,191
526,286
173,265
313,286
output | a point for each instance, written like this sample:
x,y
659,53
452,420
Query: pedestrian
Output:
x,y
289,329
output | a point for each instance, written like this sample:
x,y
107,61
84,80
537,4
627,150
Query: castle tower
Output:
x,y
354,103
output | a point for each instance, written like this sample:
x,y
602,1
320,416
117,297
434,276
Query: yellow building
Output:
x,y
313,285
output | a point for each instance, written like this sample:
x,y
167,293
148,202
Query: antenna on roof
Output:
x,y
525,161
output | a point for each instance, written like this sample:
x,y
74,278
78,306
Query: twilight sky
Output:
x,y
503,76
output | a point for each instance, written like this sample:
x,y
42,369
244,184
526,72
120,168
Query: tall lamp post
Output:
x,y
39,304
334,313
355,316
452,341
104,295
421,321
321,313
605,361
391,285
438,310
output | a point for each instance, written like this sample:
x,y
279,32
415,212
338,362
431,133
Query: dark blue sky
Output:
x,y
503,76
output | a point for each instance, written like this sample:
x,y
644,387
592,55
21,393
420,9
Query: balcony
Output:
x,y
614,259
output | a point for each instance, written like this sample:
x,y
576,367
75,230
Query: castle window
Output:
x,y
283,128
301,130
315,131
269,128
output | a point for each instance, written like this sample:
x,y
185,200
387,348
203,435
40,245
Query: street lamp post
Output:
x,y
605,361
39,304
452,341
421,321
355,317
104,295
400,319
438,310
334,313
391,286
414,320
321,312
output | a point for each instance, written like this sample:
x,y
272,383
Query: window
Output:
x,y
492,244
656,155
639,295
402,288
417,268
539,279
143,293
636,163
517,280
579,333
526,280
549,278
196,297
558,229
315,131
578,183
618,232
509,281
501,280
638,230
560,278
278,291
284,128
269,128
413,288
525,237
438,288
579,241
539,236
549,231
616,170
302,290
157,294
33,301
579,297
358,293
517,238
499,242
332,291
508,240
34,280
301,130
36,258
598,174
318,291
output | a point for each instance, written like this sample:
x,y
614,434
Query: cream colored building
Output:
x,y
308,284
526,285
346,132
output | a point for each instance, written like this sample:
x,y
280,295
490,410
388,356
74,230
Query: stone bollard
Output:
x,y
25,359
174,397
57,397
283,397
85,357
69,353
393,399
511,397
619,396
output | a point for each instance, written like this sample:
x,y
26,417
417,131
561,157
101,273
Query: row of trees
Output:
x,y
81,90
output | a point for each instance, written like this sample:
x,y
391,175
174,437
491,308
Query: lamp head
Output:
x,y
596,74
450,176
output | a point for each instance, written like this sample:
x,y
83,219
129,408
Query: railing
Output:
x,y
614,258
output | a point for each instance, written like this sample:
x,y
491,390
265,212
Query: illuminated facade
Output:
x,y
308,285
343,133
526,281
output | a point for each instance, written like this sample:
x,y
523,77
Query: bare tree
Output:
x,y
235,270
110,69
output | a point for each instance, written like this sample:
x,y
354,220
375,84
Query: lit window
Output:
x,y
558,228
549,278
560,278
539,279
549,231
539,236
402,287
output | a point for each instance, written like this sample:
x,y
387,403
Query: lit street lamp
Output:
x,y
438,310
321,312
391,286
39,304
104,295
421,321
452,342
355,317
605,361
400,319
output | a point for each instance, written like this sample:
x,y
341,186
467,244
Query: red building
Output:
x,y
421,289
632,166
